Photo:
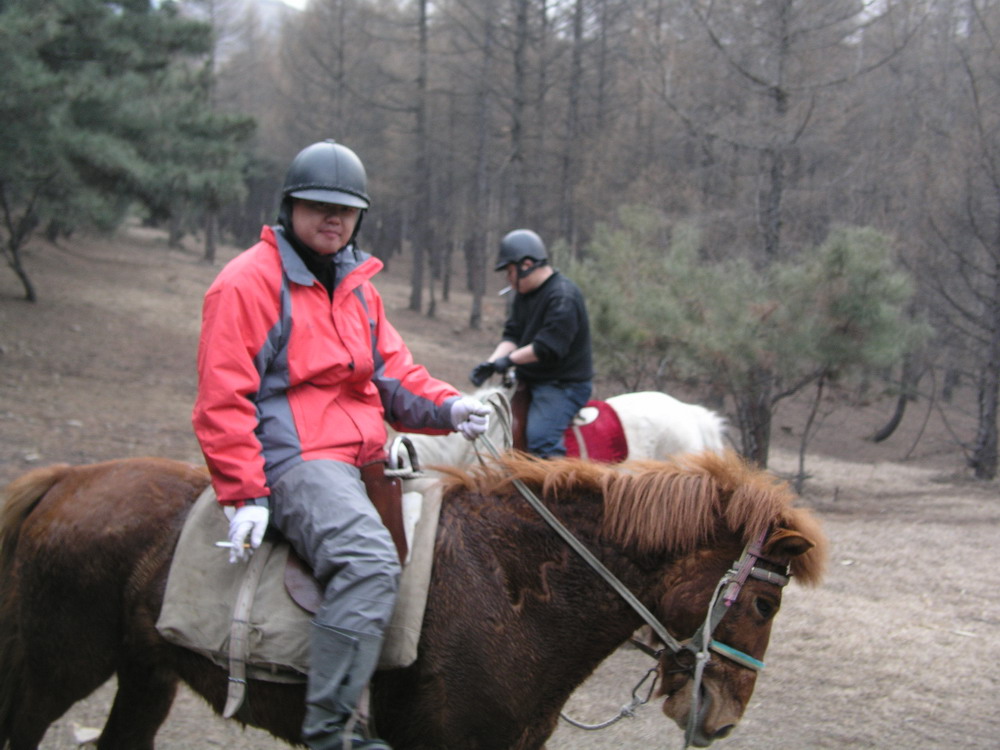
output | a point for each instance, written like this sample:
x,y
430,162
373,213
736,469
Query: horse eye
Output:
x,y
765,607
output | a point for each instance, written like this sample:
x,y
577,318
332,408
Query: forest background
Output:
x,y
759,198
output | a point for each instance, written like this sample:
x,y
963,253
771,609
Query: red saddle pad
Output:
x,y
604,438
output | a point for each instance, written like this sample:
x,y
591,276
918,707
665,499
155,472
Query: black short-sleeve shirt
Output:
x,y
554,319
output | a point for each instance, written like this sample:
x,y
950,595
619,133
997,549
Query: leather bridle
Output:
x,y
726,593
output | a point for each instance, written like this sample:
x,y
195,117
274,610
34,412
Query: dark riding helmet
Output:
x,y
518,245
327,172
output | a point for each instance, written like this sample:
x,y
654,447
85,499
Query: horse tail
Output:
x,y
20,498
713,431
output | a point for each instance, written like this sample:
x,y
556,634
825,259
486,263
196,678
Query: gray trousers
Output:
x,y
322,509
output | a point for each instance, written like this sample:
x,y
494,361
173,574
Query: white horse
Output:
x,y
656,426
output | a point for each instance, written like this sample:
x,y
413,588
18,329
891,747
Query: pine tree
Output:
x,y
105,104
759,335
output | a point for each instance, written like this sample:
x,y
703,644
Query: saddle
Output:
x,y
595,434
384,484
520,400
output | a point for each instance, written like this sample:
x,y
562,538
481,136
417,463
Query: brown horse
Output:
x,y
515,621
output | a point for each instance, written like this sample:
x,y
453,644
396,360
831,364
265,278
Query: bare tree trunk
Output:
x,y
753,415
518,107
807,433
984,453
570,149
14,261
773,174
19,229
478,253
773,166
909,378
421,222
211,223
602,65
174,231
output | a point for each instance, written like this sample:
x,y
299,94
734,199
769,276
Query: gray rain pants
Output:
x,y
322,509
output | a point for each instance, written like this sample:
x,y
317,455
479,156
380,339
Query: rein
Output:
x,y
701,643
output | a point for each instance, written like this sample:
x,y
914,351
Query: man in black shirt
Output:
x,y
547,338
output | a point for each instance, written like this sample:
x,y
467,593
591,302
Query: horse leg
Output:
x,y
40,701
45,675
145,694
26,728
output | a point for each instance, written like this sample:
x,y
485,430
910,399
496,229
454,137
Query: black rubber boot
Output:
x,y
341,664
366,657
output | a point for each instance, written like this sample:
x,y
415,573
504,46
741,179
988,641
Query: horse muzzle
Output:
x,y
717,714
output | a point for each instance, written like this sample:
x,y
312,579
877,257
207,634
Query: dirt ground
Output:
x,y
899,648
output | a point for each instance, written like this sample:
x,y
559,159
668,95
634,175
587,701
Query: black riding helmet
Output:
x,y
326,172
518,245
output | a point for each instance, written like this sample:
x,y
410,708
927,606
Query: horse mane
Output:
x,y
703,489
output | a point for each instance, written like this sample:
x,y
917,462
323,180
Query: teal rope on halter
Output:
x,y
737,656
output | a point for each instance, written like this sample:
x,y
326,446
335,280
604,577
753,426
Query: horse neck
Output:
x,y
515,570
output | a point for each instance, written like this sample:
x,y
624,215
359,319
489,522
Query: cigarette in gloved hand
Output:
x,y
230,545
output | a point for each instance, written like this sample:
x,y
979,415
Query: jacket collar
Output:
x,y
348,260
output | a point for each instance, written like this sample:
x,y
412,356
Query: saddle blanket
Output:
x,y
596,434
202,588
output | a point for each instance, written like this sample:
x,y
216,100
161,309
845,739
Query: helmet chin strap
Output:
x,y
357,227
285,214
523,273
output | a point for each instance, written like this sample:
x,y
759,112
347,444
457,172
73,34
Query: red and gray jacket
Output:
x,y
286,374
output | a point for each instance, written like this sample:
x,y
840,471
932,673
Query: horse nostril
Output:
x,y
723,732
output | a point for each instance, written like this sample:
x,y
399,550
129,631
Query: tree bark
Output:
x,y
30,295
908,380
570,147
211,222
421,221
753,415
518,107
477,253
19,229
984,453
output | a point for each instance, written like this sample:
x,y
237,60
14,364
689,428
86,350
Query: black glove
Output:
x,y
502,364
481,373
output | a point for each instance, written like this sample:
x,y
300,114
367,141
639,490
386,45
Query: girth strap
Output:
x,y
580,441
239,633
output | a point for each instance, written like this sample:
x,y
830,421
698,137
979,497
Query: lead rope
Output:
x,y
626,711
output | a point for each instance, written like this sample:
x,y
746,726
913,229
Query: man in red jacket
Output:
x,y
298,372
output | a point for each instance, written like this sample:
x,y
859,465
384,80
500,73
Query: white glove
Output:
x,y
249,521
470,416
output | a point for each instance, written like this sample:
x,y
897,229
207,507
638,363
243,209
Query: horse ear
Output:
x,y
786,544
